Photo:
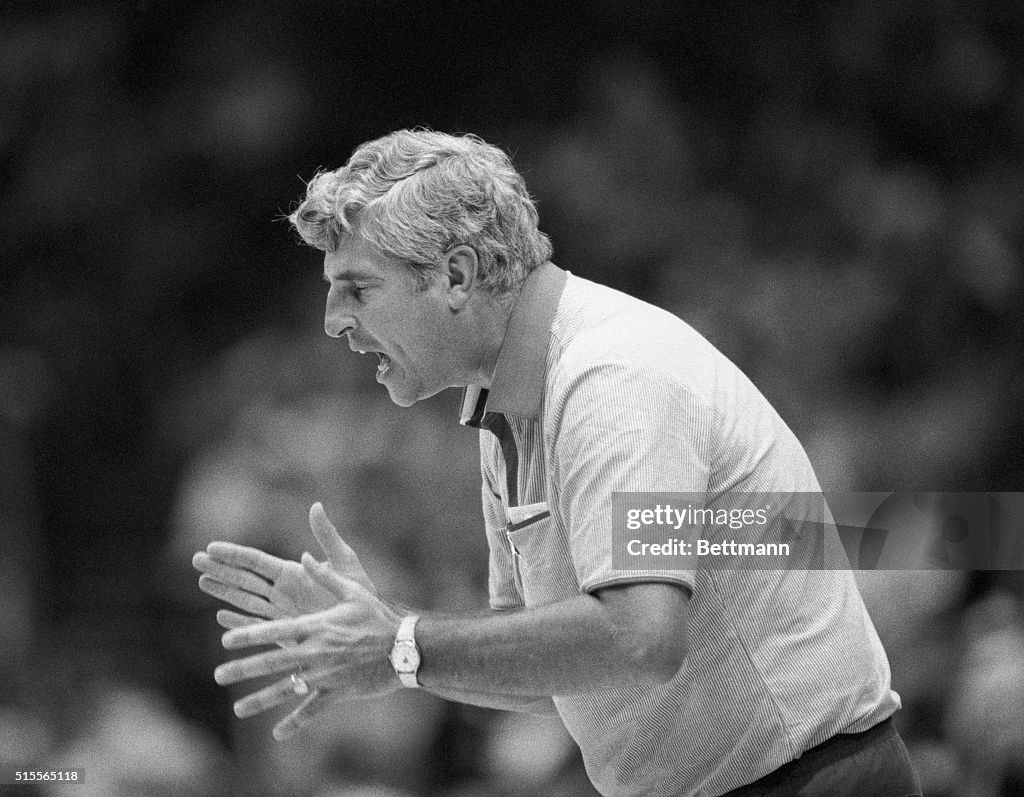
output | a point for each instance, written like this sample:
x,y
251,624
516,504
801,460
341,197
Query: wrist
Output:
x,y
405,653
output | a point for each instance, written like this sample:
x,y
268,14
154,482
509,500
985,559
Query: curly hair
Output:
x,y
414,194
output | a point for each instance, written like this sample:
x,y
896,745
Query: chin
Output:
x,y
403,401
403,398
408,397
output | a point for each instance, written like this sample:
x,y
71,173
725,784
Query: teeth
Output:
x,y
361,351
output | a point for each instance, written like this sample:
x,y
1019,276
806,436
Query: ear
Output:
x,y
461,269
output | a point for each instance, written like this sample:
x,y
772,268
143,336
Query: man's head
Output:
x,y
414,194
427,239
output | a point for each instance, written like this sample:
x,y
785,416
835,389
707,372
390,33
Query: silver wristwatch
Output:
x,y
405,655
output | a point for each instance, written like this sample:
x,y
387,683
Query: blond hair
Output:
x,y
414,194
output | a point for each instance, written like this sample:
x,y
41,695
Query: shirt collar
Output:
x,y
518,384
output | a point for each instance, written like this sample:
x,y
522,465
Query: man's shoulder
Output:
x,y
596,324
592,304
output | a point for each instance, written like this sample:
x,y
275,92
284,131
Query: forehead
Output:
x,y
354,258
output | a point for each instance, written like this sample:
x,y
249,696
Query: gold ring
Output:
x,y
299,685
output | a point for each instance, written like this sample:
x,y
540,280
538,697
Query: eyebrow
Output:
x,y
348,275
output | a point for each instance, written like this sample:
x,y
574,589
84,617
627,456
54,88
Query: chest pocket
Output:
x,y
543,566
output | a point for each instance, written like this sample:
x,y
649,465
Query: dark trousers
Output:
x,y
873,763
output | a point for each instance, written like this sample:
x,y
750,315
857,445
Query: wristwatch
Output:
x,y
405,656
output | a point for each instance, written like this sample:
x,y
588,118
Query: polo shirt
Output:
x,y
596,392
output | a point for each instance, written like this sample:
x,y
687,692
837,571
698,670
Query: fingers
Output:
x,y
281,691
272,632
228,619
240,599
338,551
270,663
307,711
246,558
232,575
258,702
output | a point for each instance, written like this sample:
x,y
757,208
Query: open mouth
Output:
x,y
383,362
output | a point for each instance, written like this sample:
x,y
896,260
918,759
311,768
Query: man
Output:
x,y
673,682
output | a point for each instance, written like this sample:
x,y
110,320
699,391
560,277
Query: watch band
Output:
x,y
406,636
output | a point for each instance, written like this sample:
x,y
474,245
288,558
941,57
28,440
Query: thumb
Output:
x,y
328,578
339,554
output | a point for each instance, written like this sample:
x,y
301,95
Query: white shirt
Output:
x,y
596,392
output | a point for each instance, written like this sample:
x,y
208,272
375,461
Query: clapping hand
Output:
x,y
325,616
267,587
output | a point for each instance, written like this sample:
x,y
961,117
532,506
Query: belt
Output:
x,y
828,752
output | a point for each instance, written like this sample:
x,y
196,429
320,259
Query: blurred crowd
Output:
x,y
830,193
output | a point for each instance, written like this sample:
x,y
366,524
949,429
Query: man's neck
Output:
x,y
489,324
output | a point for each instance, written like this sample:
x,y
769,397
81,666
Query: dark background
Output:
x,y
832,193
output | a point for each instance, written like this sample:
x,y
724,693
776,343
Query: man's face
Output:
x,y
375,301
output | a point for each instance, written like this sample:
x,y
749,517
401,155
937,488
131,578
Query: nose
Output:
x,y
336,321
337,326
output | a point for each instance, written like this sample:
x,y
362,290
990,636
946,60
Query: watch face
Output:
x,y
405,657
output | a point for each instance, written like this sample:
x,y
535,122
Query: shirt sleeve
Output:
x,y
501,584
621,427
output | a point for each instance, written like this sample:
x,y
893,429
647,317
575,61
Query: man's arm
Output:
x,y
628,634
621,635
